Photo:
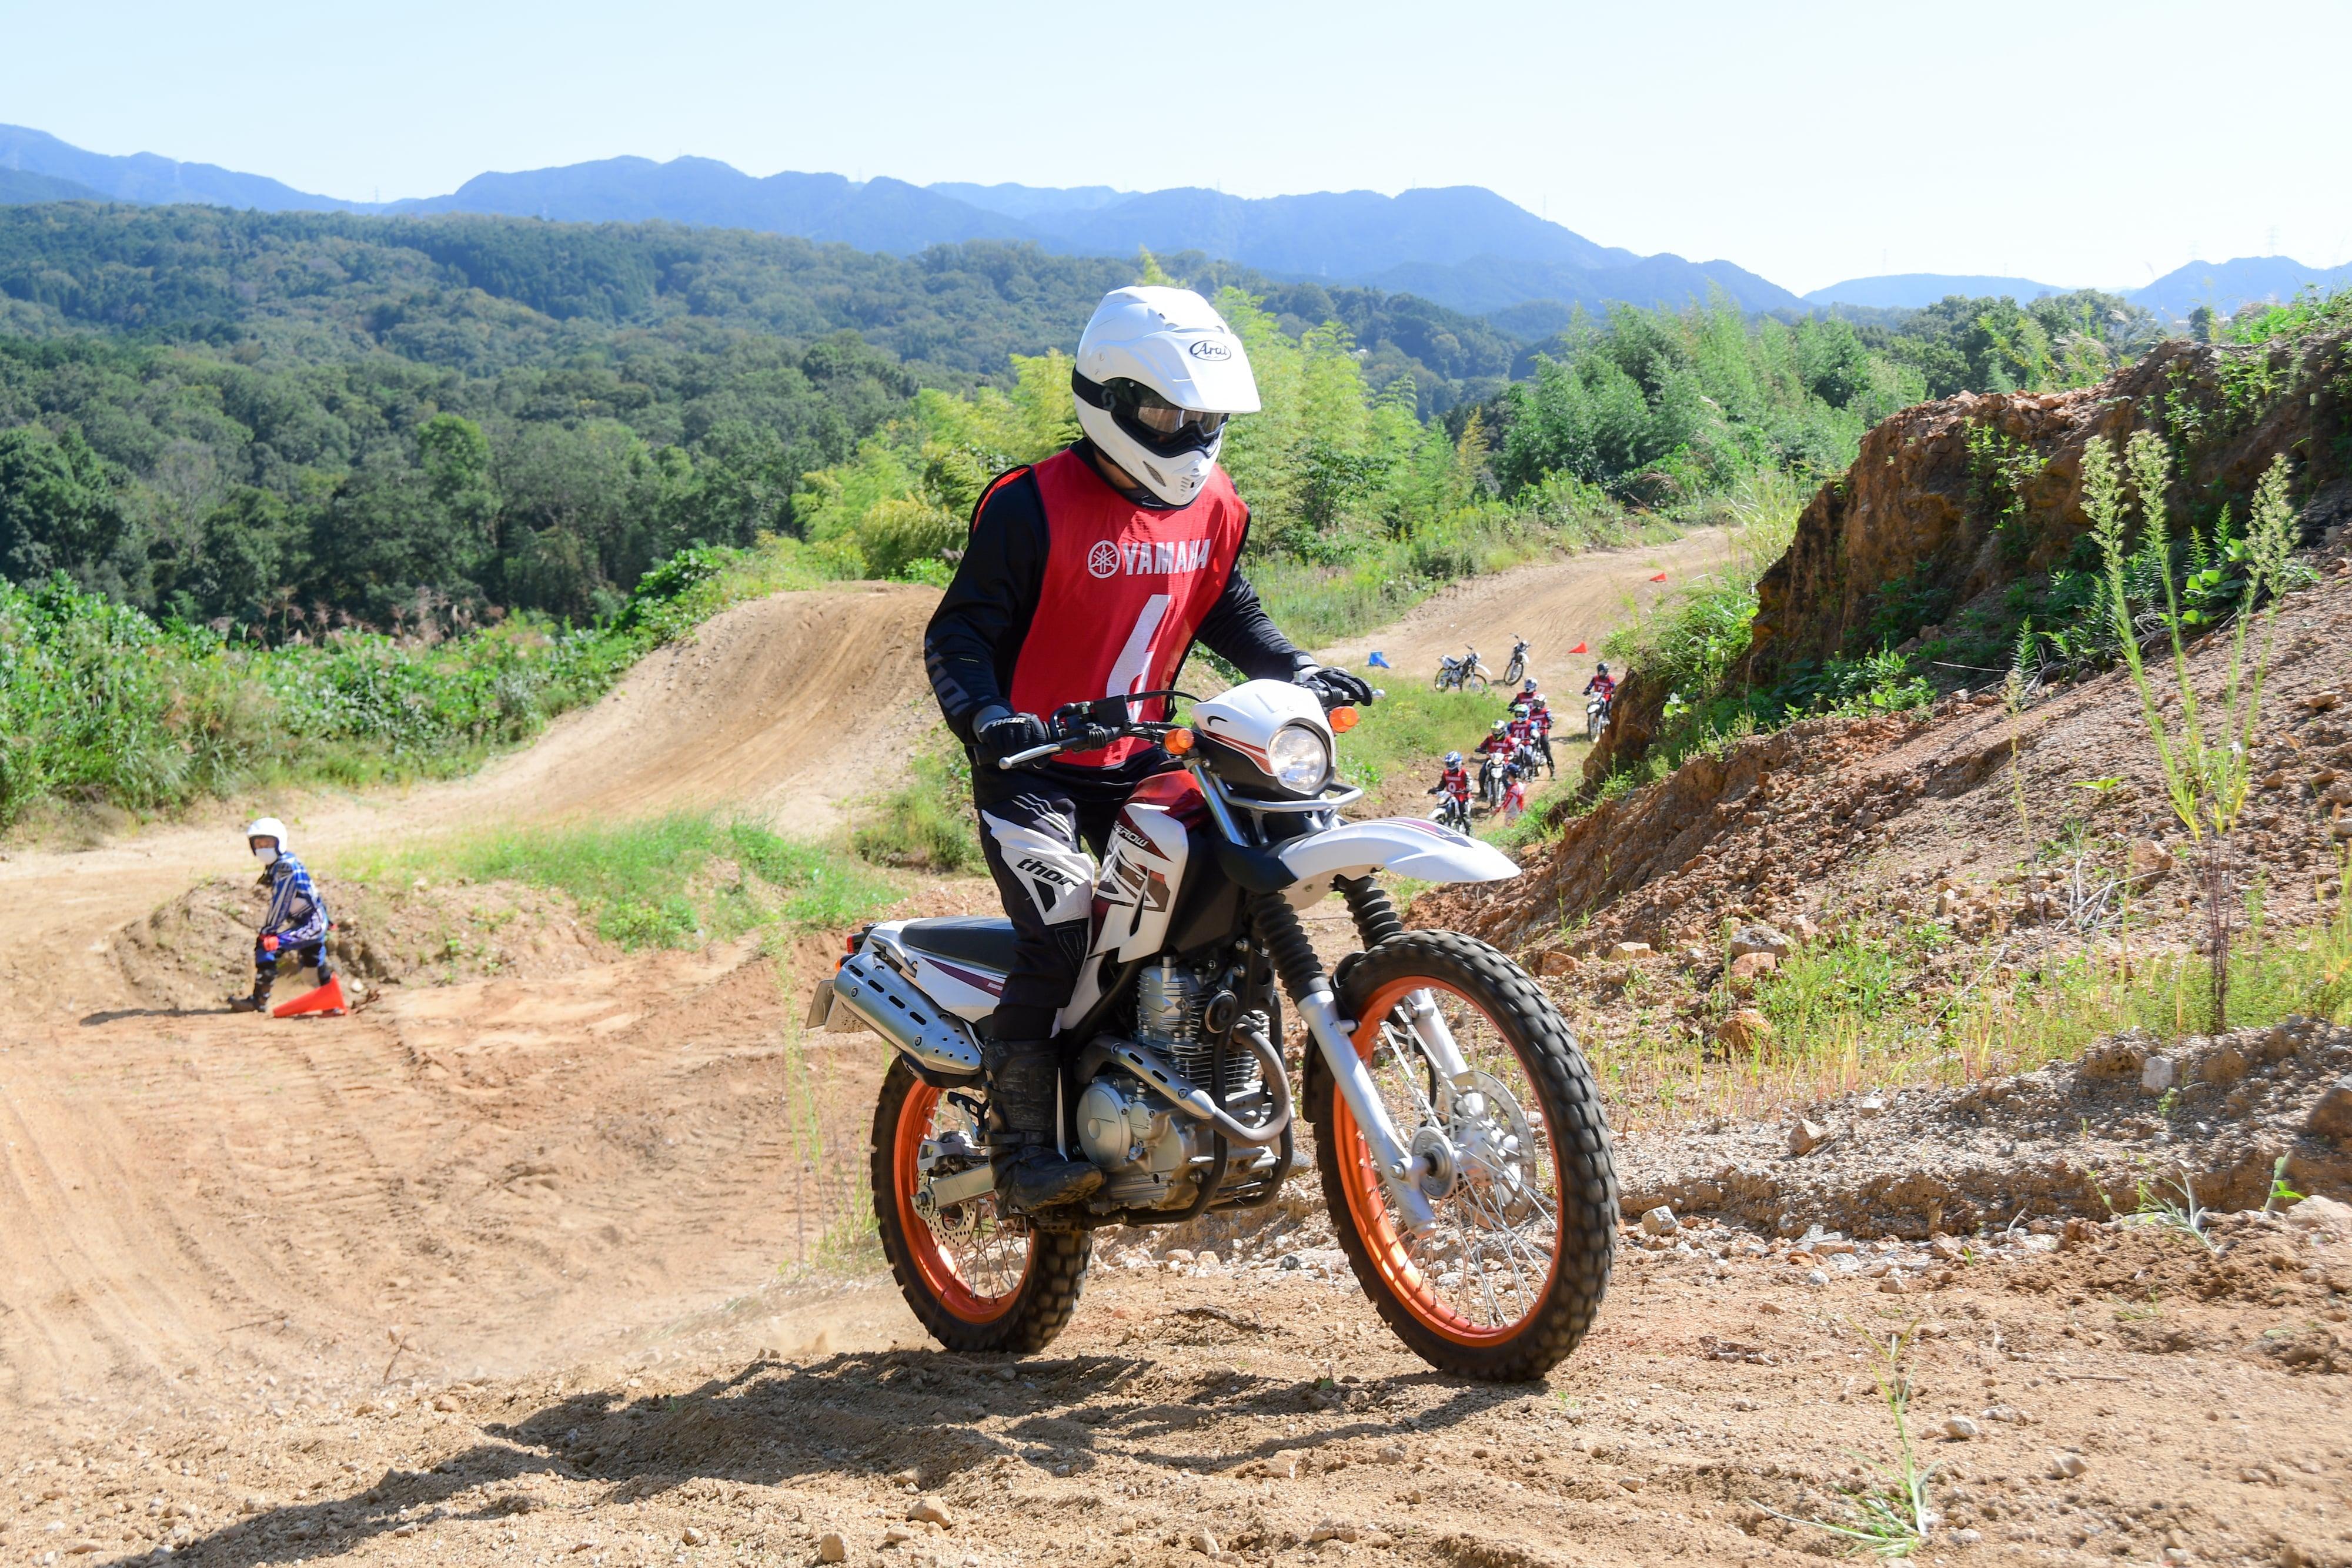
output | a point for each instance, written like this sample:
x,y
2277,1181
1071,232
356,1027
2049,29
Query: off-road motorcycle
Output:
x,y
1452,811
1457,1130
1596,716
1490,780
1468,673
1518,665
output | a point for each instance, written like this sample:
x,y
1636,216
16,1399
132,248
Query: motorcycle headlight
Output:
x,y
1301,760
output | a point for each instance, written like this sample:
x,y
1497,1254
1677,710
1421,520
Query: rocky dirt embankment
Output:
x,y
197,949
1920,505
1951,503
1963,815
2211,1118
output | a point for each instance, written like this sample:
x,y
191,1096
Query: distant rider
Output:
x,y
297,922
1603,685
1498,744
1453,782
1514,793
1090,575
1531,704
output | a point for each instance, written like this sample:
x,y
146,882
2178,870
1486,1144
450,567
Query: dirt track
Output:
x,y
512,1169
558,1207
1554,605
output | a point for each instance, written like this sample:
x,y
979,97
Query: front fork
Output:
x,y
1294,957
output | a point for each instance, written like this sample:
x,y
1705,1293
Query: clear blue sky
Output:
x,y
2068,143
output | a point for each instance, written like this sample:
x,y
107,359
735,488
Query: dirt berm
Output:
x,y
1951,504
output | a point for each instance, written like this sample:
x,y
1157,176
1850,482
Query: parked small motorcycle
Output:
x,y
1468,673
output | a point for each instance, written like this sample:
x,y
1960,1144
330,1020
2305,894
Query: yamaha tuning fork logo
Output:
x,y
1147,558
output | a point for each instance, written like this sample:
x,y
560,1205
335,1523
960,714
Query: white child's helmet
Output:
x,y
1158,374
267,828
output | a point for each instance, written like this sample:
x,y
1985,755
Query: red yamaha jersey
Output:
x,y
1454,782
1125,589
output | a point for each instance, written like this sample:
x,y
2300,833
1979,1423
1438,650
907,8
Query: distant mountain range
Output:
x,y
1462,246
1910,291
2225,286
2228,285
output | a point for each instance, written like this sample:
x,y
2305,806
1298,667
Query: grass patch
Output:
x,y
677,881
926,822
1399,740
1317,603
101,704
1856,1011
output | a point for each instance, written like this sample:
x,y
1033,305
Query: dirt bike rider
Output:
x,y
1531,705
1499,744
1454,782
1088,575
1603,685
296,921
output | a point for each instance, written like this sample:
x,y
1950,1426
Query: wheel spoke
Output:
x,y
1496,1238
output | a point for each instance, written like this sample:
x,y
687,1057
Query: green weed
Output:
x,y
2206,758
677,881
1892,1519
925,821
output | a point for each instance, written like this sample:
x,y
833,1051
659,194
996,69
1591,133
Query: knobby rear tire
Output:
x,y
1562,1082
1048,1294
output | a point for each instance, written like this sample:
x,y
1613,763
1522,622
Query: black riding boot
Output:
x,y
1023,1076
259,1002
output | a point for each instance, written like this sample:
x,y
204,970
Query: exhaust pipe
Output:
x,y
886,1004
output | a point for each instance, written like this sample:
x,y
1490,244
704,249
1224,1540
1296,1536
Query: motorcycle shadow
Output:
x,y
933,1412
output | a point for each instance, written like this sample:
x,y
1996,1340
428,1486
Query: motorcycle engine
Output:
x,y
1155,1155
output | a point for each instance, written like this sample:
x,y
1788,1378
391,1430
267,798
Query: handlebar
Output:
x,y
1089,727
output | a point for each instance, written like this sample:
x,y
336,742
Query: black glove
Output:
x,y
998,733
1334,688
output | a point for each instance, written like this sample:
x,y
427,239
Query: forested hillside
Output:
x,y
287,421
269,438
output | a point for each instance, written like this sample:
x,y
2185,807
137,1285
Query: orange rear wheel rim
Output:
x,y
1392,1256
945,1283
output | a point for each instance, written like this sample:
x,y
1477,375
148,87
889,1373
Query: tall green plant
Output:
x,y
2205,753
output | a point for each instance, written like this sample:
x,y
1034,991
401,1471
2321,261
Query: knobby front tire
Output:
x,y
978,1281
1510,1281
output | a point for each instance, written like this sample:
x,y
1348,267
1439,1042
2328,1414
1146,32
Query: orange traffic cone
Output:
x,y
326,999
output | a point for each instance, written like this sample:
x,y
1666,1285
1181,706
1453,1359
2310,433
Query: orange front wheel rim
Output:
x,y
1487,1271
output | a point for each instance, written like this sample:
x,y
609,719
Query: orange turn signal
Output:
x,y
1343,719
1178,741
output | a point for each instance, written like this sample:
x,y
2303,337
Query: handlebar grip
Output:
x,y
1020,758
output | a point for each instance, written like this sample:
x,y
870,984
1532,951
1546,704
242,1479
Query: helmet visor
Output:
x,y
1160,426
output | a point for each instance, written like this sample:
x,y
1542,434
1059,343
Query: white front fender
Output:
x,y
1406,845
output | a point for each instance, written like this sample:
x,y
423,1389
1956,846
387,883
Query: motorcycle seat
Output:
x,y
983,939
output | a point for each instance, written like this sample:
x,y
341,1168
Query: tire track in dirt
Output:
x,y
509,1170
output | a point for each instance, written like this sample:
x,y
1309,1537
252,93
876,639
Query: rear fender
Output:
x,y
1405,845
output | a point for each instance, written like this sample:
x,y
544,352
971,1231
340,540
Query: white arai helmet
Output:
x,y
1158,374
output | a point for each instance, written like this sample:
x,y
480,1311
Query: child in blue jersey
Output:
x,y
296,923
